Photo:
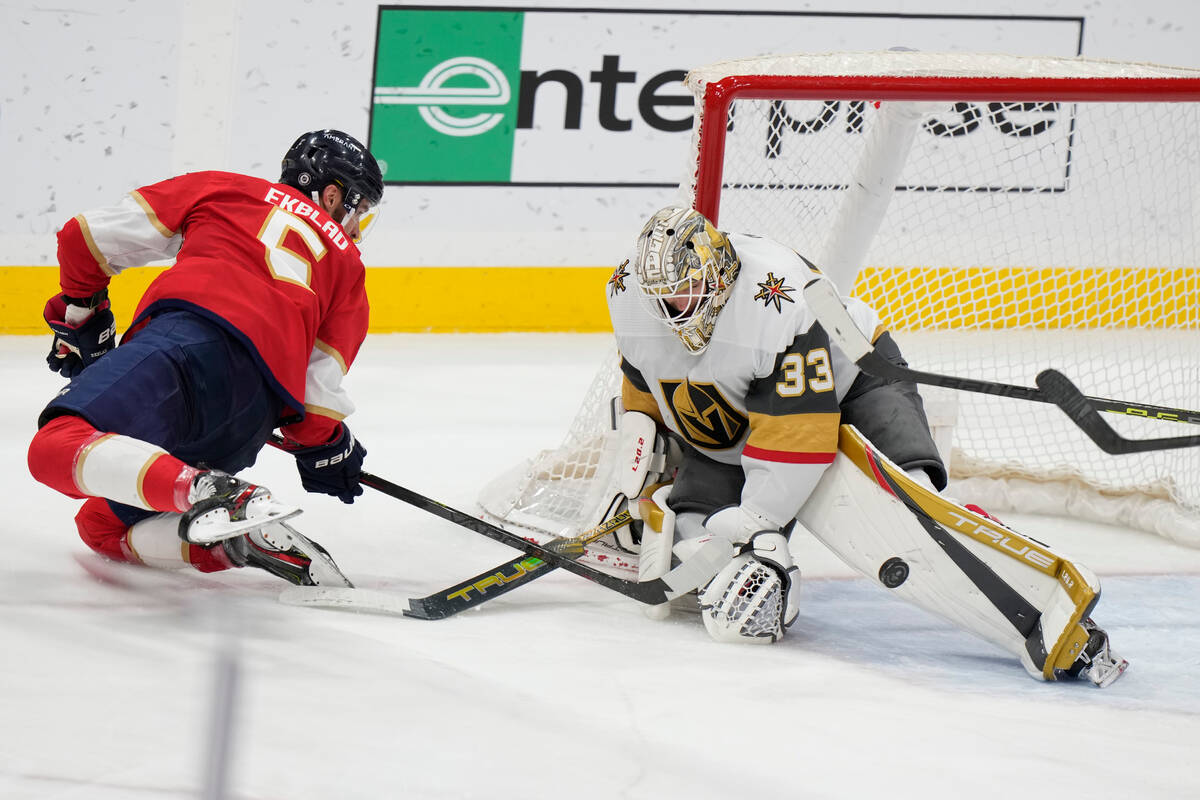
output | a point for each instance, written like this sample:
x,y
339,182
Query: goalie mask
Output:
x,y
685,269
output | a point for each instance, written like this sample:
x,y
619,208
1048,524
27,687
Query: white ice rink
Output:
x,y
560,689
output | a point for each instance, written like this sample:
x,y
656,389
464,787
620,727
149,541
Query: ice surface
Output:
x,y
560,689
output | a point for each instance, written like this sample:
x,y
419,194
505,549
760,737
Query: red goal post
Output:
x,y
718,95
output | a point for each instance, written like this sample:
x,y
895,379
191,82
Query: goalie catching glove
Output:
x,y
755,596
84,330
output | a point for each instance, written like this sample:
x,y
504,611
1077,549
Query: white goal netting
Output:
x,y
1005,215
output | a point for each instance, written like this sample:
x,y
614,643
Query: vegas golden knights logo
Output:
x,y
704,417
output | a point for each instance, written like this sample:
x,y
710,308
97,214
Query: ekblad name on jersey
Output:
x,y
764,393
256,257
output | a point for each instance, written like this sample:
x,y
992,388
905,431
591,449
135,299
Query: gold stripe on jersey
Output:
x,y
797,434
101,261
332,352
324,412
151,215
635,399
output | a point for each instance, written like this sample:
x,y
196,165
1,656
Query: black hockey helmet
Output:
x,y
319,158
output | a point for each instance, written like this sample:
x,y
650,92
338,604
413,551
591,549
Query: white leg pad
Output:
x,y
113,467
156,543
658,534
972,571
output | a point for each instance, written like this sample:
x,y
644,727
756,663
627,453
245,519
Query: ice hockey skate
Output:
x,y
1097,662
283,551
224,506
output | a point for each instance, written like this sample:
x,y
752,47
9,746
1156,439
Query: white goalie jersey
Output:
x,y
764,394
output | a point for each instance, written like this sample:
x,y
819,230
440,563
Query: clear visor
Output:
x,y
359,221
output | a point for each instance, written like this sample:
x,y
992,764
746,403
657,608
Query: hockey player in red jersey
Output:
x,y
251,329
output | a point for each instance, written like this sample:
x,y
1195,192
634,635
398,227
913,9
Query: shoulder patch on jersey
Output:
x,y
703,415
774,290
617,282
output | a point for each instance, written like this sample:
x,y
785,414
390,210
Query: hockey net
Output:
x,y
1005,215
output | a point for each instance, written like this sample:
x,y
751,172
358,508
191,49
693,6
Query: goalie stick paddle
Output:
x,y
822,298
504,578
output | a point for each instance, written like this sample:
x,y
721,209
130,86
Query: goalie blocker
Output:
x,y
960,565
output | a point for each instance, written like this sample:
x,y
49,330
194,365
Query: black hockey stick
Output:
x,y
1066,395
823,299
693,573
697,570
503,578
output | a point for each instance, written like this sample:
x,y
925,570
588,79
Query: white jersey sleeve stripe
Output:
x,y
127,235
323,392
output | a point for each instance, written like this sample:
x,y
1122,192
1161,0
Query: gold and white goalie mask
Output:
x,y
685,270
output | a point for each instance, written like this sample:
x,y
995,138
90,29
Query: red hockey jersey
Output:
x,y
256,257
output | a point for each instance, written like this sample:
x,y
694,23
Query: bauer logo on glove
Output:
x,y
332,468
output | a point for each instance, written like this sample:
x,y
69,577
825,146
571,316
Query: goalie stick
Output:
x,y
1053,386
1066,395
504,578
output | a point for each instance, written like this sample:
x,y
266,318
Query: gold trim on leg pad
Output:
x,y
1053,634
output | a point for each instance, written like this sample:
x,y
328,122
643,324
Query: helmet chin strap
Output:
x,y
347,217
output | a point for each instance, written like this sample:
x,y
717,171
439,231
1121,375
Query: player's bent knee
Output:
x,y
52,452
102,531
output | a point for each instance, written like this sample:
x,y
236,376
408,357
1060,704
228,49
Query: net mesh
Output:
x,y
1075,250
997,236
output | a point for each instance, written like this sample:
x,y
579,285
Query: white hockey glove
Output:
x,y
756,596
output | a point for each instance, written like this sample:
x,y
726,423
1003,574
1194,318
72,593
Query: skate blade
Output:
x,y
322,569
215,526
1103,674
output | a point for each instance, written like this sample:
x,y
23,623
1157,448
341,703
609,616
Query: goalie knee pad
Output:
x,y
658,535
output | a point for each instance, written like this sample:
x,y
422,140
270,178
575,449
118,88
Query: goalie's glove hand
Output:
x,y
333,468
84,330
